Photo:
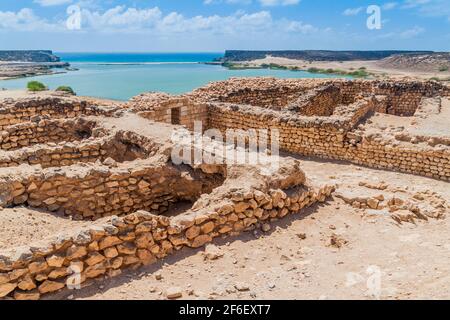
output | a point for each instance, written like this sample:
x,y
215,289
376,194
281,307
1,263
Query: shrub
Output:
x,y
313,70
66,89
35,86
443,69
359,73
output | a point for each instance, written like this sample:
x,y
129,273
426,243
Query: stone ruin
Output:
x,y
394,125
112,166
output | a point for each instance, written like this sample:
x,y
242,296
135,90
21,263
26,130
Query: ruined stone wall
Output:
x,y
139,239
120,147
376,153
265,92
319,136
25,110
276,98
402,98
331,138
44,131
93,191
186,110
318,101
56,156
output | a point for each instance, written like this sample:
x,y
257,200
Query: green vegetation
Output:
x,y
66,89
313,70
443,69
35,86
361,73
274,66
238,66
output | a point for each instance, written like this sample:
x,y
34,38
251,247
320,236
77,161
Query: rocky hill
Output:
x,y
315,55
432,62
28,56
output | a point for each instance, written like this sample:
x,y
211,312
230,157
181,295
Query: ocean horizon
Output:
x,y
120,76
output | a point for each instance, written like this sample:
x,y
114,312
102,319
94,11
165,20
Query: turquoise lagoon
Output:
x,y
121,76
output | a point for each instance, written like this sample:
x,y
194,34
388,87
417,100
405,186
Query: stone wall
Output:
x,y
15,112
320,136
94,191
430,162
119,147
137,239
332,138
265,92
276,98
173,110
402,98
44,131
318,101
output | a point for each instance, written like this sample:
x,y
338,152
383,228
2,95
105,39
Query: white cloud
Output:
x,y
240,22
122,19
389,5
273,3
352,11
264,3
414,3
48,3
227,1
300,27
412,33
238,1
429,8
24,20
406,34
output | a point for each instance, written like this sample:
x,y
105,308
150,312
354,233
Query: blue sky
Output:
x,y
216,25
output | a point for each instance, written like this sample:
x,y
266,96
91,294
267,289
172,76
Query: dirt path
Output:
x,y
331,251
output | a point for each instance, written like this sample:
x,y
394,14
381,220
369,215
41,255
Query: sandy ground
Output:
x,y
430,121
297,259
18,69
19,94
371,66
22,226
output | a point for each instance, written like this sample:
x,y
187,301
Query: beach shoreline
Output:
x,y
16,69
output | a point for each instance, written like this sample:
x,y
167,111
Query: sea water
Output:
x,y
121,76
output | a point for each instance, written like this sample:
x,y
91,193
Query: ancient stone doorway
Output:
x,y
175,114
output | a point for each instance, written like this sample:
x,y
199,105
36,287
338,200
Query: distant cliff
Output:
x,y
315,55
29,56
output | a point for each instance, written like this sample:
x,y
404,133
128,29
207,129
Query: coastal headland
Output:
x,y
27,63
